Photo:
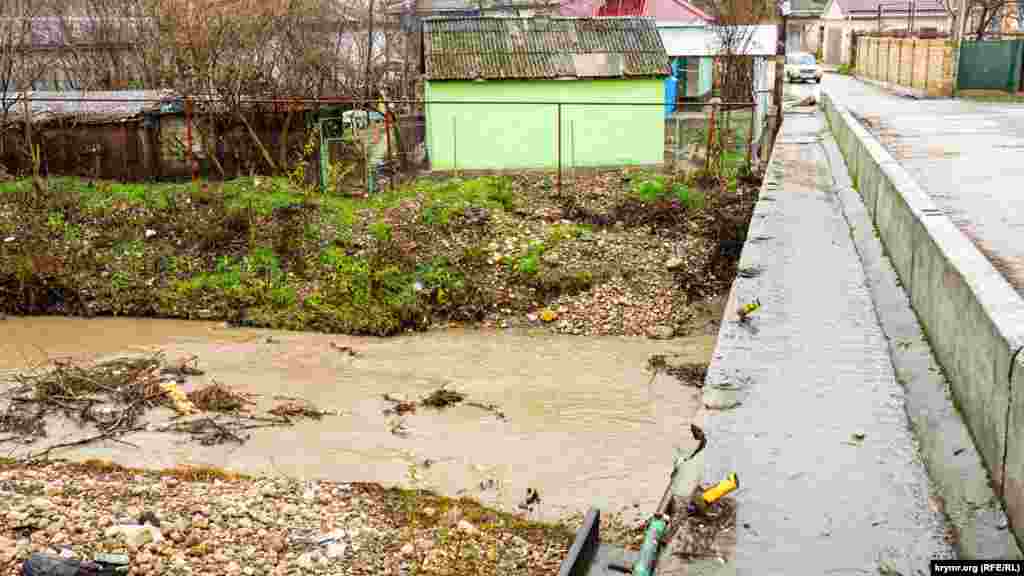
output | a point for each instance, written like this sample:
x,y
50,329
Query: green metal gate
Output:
x,y
991,65
332,134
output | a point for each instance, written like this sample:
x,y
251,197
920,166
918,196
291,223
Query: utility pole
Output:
x,y
780,65
369,53
961,25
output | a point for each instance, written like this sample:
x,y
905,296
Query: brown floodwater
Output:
x,y
586,423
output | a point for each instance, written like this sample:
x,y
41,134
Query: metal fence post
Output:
x,y
558,139
188,139
572,146
750,133
678,140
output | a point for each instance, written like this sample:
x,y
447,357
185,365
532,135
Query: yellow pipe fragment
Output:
x,y
724,487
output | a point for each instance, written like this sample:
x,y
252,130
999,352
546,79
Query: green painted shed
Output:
x,y
499,88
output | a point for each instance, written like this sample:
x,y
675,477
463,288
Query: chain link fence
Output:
x,y
360,148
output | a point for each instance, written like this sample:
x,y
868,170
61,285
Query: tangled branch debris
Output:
x,y
112,396
688,373
438,399
443,398
210,431
699,535
297,409
401,406
220,398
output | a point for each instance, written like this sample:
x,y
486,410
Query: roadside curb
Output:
x,y
898,90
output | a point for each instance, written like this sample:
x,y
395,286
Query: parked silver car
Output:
x,y
802,67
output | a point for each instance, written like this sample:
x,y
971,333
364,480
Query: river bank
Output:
x,y
627,253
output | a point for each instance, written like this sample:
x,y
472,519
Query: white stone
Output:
x,y
335,550
134,535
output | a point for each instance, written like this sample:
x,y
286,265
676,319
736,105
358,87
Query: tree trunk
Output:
x,y
211,151
284,139
259,144
369,53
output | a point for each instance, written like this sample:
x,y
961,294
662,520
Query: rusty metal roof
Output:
x,y
493,48
94,107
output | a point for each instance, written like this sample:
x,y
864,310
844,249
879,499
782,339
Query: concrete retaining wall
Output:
x,y
974,320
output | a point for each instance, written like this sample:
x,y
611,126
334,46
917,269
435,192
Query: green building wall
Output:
x,y
509,136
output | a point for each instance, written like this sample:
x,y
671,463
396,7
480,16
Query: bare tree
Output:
x,y
22,60
734,31
981,14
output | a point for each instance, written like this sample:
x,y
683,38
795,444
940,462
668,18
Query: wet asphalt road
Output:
x,y
967,155
831,479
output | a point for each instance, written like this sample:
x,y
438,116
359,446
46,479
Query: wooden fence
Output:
x,y
919,65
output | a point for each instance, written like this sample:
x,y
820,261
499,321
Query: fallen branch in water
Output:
x,y
297,409
438,399
82,442
492,408
208,431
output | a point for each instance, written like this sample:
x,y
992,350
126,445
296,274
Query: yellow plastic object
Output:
x,y
724,487
181,402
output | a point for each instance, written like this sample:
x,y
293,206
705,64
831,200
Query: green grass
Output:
x,y
845,69
198,264
448,198
658,189
442,199
529,263
560,232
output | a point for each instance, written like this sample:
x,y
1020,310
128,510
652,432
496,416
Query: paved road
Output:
x,y
969,156
815,373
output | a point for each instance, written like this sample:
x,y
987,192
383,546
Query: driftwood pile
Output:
x,y
113,396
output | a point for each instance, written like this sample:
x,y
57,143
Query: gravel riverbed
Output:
x,y
211,522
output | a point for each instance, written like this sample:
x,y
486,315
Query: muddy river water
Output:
x,y
586,423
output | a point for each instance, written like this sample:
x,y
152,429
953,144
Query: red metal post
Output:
x,y
711,136
387,131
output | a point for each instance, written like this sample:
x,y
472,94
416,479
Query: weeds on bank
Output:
x,y
658,189
267,252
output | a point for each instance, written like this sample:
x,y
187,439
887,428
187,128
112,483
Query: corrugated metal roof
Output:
x,y
90,107
759,40
544,47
